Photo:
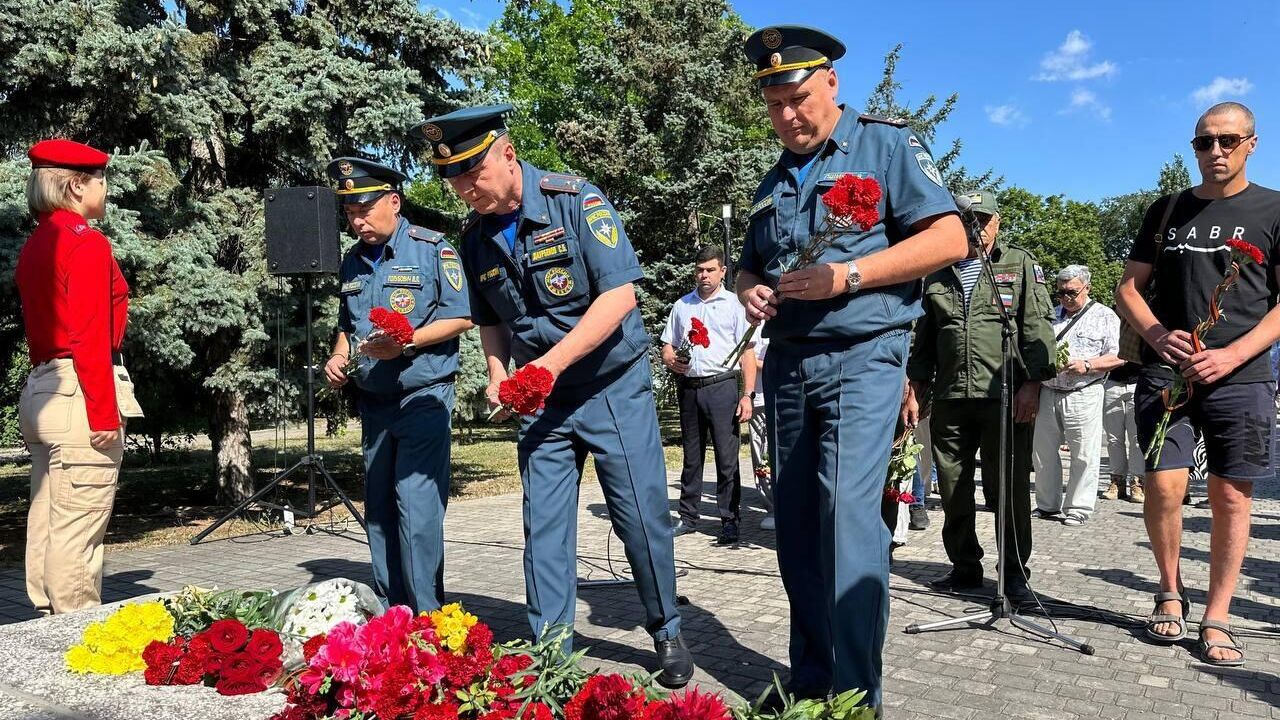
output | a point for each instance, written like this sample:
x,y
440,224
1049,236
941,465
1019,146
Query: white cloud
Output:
x,y
1006,115
1071,61
1083,100
1220,89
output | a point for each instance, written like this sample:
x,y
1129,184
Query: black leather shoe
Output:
x,y
1018,594
675,661
728,533
683,527
953,581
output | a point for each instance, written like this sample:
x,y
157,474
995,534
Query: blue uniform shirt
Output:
x,y
788,209
569,249
418,275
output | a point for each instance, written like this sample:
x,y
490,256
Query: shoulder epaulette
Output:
x,y
425,235
557,182
896,122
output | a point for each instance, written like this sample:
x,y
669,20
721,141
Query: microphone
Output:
x,y
969,218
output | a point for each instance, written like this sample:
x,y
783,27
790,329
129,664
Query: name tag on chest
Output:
x,y
351,288
411,280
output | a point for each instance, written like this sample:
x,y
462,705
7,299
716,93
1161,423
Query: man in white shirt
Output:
x,y
1071,403
708,391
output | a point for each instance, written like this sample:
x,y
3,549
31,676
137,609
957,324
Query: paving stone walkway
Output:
x,y
1096,580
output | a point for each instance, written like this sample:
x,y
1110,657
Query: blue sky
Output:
x,y
1084,98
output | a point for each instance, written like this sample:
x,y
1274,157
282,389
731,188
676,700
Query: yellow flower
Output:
x,y
115,645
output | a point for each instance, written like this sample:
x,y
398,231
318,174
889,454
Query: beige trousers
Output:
x,y
73,487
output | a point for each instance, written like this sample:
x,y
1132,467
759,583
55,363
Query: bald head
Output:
x,y
1227,108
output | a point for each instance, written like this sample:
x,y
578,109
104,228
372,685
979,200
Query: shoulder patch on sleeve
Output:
x,y
896,122
79,228
765,203
421,233
557,182
1039,271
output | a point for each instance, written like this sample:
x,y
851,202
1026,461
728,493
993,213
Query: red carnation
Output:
x,y
312,646
460,670
162,661
226,636
526,391
509,665
892,494
479,637
906,497
534,711
393,324
698,334
691,705
442,711
606,697
1241,250
854,200
264,645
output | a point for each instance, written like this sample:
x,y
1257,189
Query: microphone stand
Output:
x,y
1000,606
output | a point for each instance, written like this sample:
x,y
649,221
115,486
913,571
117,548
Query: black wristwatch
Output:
x,y
410,350
752,395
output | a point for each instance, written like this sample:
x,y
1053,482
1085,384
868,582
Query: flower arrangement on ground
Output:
x,y
227,656
114,646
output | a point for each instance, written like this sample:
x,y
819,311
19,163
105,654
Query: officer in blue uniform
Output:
x,y
405,396
834,376
552,278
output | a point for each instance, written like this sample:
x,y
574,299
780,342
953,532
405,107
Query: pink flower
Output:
x,y
342,654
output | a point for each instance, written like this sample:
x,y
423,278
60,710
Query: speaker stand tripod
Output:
x,y
1000,606
311,463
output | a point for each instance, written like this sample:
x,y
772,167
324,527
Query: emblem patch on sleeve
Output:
x,y
402,301
558,281
928,168
1039,274
591,201
452,270
604,227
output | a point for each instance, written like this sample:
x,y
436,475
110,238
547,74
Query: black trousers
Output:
x,y
710,411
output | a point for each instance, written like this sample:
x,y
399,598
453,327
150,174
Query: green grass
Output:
x,y
169,500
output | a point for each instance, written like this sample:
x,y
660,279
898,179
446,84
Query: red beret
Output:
x,y
66,154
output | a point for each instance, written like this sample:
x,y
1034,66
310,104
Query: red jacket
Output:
x,y
75,303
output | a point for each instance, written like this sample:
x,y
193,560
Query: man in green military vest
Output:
x,y
955,361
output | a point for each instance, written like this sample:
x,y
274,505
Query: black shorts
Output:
x,y
1237,420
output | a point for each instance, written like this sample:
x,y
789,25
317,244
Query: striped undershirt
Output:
x,y
970,271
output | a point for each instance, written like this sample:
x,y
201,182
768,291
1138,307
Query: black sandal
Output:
x,y
1158,618
1230,644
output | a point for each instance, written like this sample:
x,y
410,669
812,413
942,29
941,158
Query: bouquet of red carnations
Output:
x,y
525,392
385,322
851,201
697,335
227,656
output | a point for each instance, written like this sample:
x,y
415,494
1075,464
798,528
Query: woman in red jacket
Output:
x,y
74,305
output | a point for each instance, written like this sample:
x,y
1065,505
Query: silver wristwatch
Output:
x,y
855,278
409,350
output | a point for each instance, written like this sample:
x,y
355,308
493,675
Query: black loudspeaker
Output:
x,y
302,231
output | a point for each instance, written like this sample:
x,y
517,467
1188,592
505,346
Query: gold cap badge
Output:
x,y
345,168
775,60
348,184
772,38
432,132
443,150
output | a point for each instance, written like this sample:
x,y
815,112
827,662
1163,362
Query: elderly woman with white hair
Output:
x,y
72,409
1071,404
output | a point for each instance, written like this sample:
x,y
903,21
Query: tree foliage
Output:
x,y
206,104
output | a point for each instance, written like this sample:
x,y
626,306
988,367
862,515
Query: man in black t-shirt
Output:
x,y
1232,388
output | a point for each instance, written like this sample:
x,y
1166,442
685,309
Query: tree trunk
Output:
x,y
232,445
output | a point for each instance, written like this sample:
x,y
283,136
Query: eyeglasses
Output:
x,y
1068,294
1204,143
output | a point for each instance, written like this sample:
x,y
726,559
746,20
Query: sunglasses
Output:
x,y
1069,294
1204,143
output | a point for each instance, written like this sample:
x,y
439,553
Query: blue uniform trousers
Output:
x,y
613,419
406,462
832,409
